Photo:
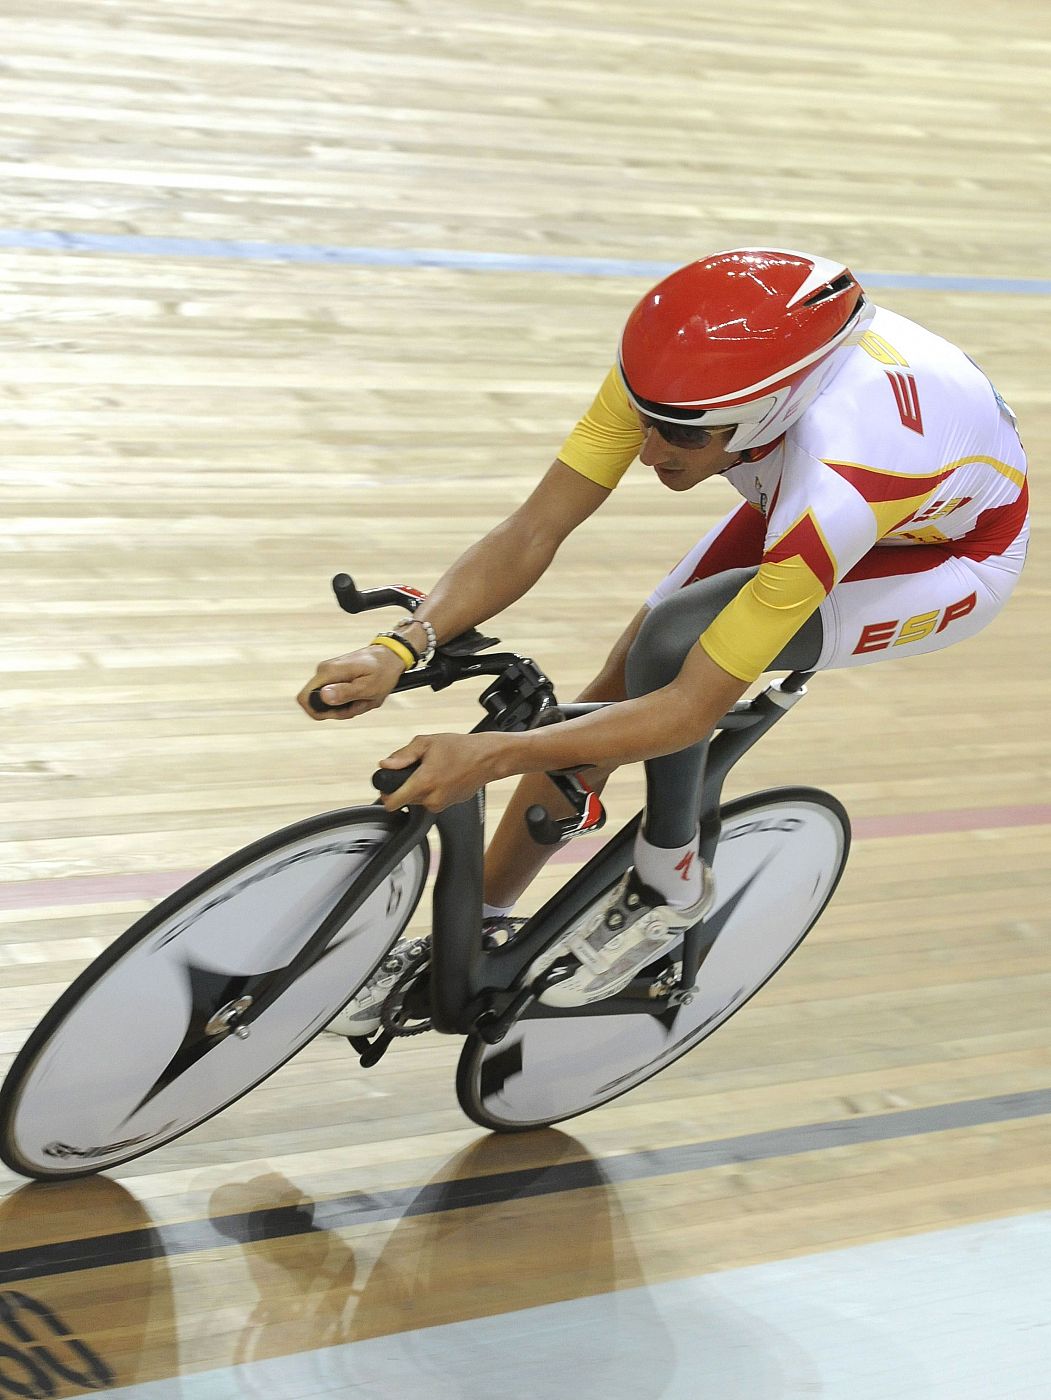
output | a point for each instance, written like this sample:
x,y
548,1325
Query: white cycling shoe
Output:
x,y
628,930
361,1015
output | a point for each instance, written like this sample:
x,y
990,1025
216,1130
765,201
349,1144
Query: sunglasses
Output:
x,y
684,434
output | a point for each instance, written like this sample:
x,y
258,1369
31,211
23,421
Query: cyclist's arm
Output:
x,y
665,721
491,575
506,563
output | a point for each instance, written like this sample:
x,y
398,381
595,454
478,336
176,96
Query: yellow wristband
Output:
x,y
400,650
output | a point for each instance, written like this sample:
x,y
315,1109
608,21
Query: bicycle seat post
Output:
x,y
739,730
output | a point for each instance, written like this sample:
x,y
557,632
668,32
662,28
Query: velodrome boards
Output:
x,y
293,289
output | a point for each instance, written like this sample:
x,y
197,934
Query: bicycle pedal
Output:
x,y
663,979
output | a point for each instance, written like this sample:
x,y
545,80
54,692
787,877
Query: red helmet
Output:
x,y
745,337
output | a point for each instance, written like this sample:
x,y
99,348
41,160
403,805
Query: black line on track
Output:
x,y
284,1222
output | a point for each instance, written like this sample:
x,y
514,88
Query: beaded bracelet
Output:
x,y
432,637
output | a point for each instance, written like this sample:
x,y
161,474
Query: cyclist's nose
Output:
x,y
654,451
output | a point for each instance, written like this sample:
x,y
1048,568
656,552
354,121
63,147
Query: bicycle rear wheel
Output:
x,y
778,861
132,1055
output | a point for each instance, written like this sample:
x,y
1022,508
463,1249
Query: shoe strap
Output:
x,y
593,959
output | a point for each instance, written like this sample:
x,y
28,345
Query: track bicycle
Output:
x,y
225,980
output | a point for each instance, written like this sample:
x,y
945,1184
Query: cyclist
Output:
x,y
884,514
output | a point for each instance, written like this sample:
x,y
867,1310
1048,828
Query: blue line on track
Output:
x,y
463,260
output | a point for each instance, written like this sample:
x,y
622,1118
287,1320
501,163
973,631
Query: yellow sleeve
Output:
x,y
796,574
763,618
607,439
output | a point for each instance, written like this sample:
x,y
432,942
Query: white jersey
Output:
x,y
909,445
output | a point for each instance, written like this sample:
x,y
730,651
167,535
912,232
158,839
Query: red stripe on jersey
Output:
x,y
804,542
738,545
907,397
892,561
995,530
887,486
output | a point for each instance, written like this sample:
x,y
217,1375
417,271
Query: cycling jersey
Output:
x,y
909,448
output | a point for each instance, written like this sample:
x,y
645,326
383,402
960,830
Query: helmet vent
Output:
x,y
839,284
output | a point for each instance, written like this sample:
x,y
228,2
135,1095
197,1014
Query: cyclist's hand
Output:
x,y
452,768
357,683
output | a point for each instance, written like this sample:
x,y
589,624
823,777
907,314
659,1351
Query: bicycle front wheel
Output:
x,y
134,1054
777,864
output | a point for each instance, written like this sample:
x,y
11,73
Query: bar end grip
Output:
x,y
347,594
389,780
543,828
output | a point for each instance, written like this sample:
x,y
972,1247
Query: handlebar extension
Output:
x,y
354,600
444,670
518,680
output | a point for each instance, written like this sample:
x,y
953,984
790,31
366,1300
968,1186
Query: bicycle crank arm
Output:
x,y
371,1051
492,1025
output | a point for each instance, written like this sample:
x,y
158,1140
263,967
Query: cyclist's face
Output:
x,y
680,466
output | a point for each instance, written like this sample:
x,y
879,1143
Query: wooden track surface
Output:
x,y
195,442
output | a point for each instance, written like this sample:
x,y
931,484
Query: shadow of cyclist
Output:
x,y
514,1270
507,1224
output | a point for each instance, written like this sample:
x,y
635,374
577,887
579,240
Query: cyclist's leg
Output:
x,y
668,890
695,592
656,658
514,858
907,602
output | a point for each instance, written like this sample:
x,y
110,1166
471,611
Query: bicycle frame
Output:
x,y
469,981
474,988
